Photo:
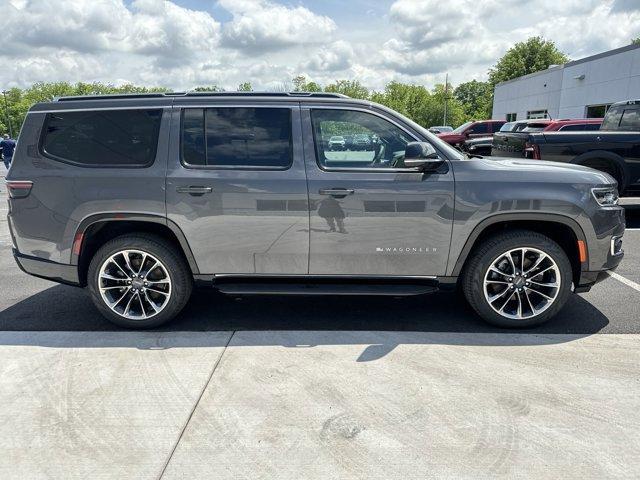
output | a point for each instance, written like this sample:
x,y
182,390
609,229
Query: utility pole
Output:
x,y
446,91
6,112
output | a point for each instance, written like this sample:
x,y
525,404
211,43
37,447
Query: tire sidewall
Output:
x,y
180,283
474,281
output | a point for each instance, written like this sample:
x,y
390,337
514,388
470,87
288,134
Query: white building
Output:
x,y
580,89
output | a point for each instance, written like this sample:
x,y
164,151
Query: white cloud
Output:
x,y
267,42
261,25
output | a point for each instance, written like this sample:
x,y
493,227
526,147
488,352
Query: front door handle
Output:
x,y
336,192
194,190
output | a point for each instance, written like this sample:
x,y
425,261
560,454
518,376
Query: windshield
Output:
x,y
507,127
535,127
462,127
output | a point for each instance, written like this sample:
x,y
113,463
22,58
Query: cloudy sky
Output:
x,y
184,43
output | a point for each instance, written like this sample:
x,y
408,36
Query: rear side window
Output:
x,y
612,118
630,120
103,138
237,137
580,127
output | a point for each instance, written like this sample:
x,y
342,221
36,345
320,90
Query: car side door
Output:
x,y
236,186
369,215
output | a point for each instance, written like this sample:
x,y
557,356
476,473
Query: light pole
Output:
x,y
6,112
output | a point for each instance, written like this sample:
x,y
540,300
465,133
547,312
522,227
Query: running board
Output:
x,y
254,288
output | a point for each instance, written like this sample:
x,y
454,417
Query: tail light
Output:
x,y
19,188
531,150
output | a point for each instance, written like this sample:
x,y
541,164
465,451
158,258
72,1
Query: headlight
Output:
x,y
606,197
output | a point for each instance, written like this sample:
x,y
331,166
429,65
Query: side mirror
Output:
x,y
421,155
468,132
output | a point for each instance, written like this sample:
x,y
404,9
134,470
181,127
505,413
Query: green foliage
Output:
x,y
300,84
635,41
476,99
526,57
350,88
212,88
245,87
19,101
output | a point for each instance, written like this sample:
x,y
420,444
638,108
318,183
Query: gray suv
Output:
x,y
139,198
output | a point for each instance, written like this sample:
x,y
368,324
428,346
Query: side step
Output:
x,y
254,288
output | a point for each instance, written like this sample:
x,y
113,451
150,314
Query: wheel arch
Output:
x,y
96,230
563,230
611,157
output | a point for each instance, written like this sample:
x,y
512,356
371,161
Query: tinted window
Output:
x,y
630,119
612,118
103,137
371,141
237,137
580,127
479,128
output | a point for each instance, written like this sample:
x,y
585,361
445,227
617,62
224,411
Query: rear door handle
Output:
x,y
194,190
336,192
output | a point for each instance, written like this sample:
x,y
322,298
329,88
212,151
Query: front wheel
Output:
x,y
138,281
518,279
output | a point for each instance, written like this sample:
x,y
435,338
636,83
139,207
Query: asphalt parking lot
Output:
x,y
294,388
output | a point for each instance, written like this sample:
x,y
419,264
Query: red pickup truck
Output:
x,y
483,128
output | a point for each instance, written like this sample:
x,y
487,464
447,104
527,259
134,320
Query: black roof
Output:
x,y
129,96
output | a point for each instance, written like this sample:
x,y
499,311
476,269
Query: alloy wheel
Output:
x,y
134,284
522,283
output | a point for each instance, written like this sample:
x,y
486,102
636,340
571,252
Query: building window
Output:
x,y
533,114
511,117
597,111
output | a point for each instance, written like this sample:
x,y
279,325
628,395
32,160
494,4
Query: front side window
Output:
x,y
369,141
228,137
479,128
103,138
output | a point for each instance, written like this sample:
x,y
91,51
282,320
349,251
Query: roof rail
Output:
x,y
116,96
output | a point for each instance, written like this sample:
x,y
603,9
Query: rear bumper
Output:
x,y
56,272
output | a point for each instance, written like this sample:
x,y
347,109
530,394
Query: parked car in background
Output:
x,y
511,143
337,143
440,129
471,130
614,148
482,145
141,197
361,141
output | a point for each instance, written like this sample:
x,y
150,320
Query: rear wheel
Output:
x,y
518,279
139,281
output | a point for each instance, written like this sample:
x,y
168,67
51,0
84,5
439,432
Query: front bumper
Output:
x,y
56,272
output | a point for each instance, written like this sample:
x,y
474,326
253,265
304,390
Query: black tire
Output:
x,y
179,275
489,251
610,167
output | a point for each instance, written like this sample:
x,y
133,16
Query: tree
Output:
x,y
476,99
300,84
526,57
245,87
635,41
19,101
350,88
212,88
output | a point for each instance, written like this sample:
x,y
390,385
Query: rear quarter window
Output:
x,y
102,138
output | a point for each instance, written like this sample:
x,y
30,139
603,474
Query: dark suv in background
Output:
x,y
140,197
